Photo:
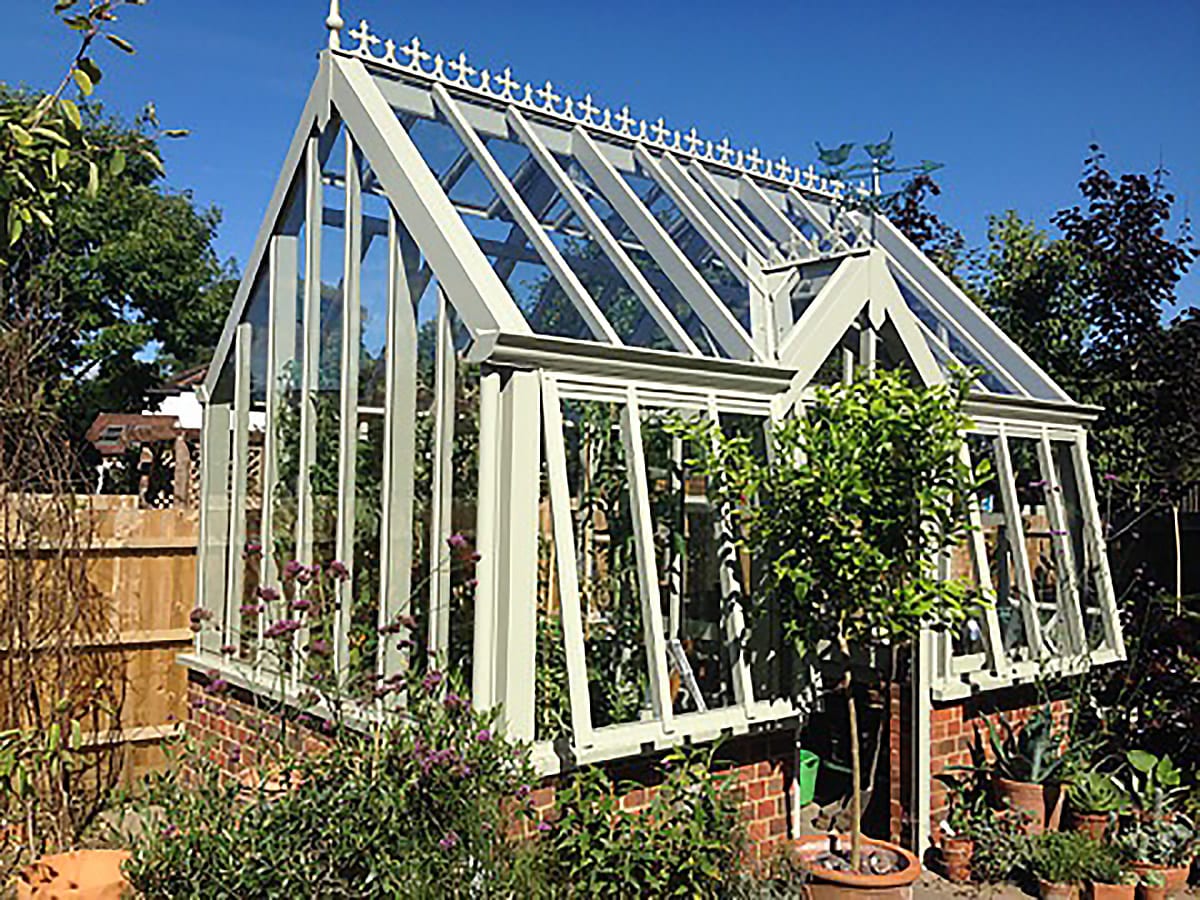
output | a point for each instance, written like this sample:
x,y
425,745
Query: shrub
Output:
x,y
418,808
1062,857
685,843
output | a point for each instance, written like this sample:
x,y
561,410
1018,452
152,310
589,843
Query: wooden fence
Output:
x,y
142,561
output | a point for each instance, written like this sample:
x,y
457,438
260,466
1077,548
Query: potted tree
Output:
x,y
1026,765
842,517
1060,861
1096,799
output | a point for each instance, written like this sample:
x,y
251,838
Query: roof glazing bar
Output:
x,y
727,331
526,220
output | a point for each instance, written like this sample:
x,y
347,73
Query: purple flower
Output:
x,y
170,830
475,557
432,680
1057,531
450,841
267,594
484,736
339,570
229,650
1109,476
252,549
524,791
453,702
1038,484
293,568
199,614
282,628
389,628
408,622
300,604
456,541
253,609
319,647
544,827
216,686
473,583
235,753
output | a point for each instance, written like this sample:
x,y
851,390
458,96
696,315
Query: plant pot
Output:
x,y
831,884
80,875
956,856
806,777
1175,877
1149,892
1096,891
1094,825
1051,890
1039,804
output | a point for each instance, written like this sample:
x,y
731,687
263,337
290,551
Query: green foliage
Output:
x,y
685,843
1107,867
969,814
1158,840
419,808
849,505
1033,753
1062,857
1096,793
1001,849
1157,785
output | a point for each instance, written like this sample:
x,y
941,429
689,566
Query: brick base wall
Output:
x,y
236,734
955,727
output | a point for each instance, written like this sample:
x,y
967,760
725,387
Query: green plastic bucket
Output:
x,y
808,765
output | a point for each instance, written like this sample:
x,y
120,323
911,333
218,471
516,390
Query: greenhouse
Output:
x,y
476,306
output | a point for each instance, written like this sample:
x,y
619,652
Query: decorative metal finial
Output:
x,y
335,23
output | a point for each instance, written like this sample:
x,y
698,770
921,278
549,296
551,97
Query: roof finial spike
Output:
x,y
335,23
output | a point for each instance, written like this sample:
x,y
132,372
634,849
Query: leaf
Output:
x,y
71,111
121,43
88,65
176,133
84,81
93,185
1142,761
20,135
152,158
116,165
62,156
15,227
76,735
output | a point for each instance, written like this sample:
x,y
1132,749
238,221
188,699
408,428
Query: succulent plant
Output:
x,y
1097,793
1032,753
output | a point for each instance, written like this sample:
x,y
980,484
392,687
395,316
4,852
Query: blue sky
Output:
x,y
1007,95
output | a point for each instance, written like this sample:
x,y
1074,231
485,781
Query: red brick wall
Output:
x,y
237,734
953,730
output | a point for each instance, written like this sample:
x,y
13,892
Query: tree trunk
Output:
x,y
1178,562
855,777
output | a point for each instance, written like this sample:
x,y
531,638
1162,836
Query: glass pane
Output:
x,y
732,292
1043,561
1087,566
604,544
552,719
688,558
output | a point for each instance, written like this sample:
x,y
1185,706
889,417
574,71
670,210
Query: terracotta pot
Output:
x,y
956,855
81,875
1049,890
1094,825
1110,891
1146,892
1040,804
1176,877
829,884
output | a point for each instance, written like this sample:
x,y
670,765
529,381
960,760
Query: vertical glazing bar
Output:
x,y
231,620
313,213
731,605
1094,534
281,353
1016,540
922,742
654,632
564,555
517,566
483,657
440,524
399,452
214,521
348,412
1064,557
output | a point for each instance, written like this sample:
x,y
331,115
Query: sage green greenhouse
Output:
x,y
473,307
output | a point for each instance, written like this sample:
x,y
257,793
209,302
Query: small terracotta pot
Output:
x,y
1050,890
80,875
1175,878
1149,892
828,884
1097,891
1094,825
1041,804
956,855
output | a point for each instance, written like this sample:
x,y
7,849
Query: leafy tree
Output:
x,y
1031,285
100,258
843,515
908,209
